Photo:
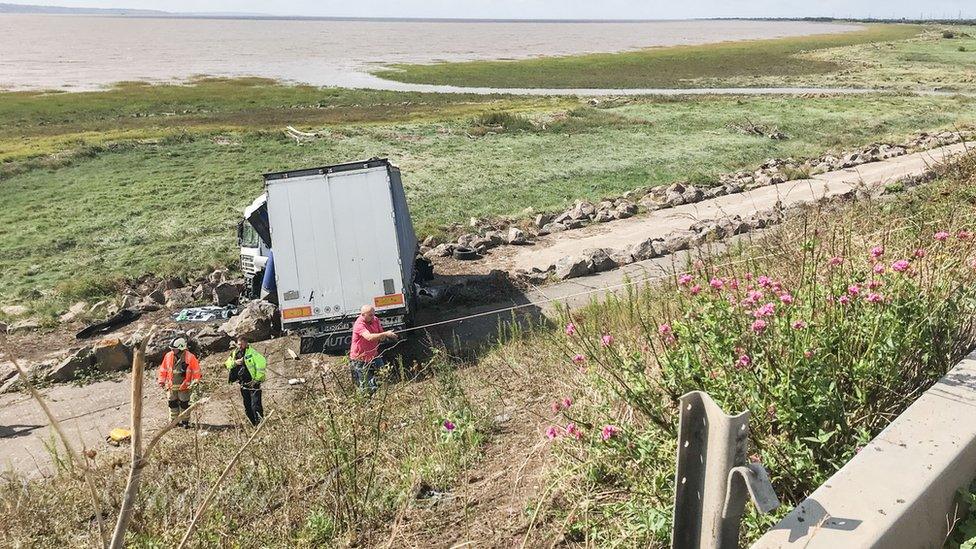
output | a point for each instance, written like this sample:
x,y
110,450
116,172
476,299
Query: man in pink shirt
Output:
x,y
367,333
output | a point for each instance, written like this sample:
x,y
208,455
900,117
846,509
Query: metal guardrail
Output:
x,y
714,478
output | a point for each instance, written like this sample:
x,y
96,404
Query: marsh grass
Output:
x,y
665,67
72,227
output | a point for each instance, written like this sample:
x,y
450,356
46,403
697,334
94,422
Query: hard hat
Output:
x,y
179,343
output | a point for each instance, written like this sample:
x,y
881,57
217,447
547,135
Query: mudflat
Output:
x,y
81,52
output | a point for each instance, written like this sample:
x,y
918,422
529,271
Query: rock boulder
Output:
x,y
111,355
572,267
178,297
209,340
75,364
255,321
226,293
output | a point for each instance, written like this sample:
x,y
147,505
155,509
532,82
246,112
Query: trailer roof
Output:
x,y
348,166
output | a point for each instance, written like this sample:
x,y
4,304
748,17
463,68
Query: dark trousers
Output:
x,y
364,374
251,393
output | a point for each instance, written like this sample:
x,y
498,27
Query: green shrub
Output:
x,y
824,334
502,122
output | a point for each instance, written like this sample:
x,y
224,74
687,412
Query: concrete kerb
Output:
x,y
900,489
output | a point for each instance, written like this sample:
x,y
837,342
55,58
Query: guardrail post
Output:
x,y
714,478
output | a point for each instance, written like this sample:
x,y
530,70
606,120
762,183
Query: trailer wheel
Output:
x,y
465,254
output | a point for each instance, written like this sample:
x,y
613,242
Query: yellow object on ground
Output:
x,y
118,435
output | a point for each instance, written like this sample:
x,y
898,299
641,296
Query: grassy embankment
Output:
x,y
781,59
857,339
100,186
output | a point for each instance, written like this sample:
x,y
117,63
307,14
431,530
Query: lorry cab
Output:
x,y
255,249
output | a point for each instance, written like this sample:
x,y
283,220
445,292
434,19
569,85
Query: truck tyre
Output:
x,y
254,288
465,254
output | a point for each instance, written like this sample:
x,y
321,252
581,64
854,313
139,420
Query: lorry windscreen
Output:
x,y
247,237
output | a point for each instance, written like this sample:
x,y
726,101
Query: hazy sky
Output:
x,y
555,9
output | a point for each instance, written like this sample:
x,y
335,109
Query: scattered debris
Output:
x,y
119,319
762,130
14,310
207,313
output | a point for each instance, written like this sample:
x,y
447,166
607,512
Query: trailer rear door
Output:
x,y
335,244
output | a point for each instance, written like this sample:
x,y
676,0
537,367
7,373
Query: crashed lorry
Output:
x,y
323,242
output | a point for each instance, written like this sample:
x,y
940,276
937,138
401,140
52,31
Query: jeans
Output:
x,y
364,374
251,394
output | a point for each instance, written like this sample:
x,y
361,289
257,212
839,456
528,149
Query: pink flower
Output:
x,y
941,236
716,283
685,279
574,431
920,253
552,432
607,340
964,235
875,284
734,284
570,329
695,290
664,329
567,402
758,325
877,252
609,431
874,298
835,261
843,300
579,358
764,281
449,425
748,276
799,325
752,297
555,407
879,268
900,266
808,353
743,362
853,289
786,299
766,310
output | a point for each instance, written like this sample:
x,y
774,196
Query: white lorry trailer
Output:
x,y
336,238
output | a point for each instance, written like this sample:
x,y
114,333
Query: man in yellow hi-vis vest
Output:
x,y
247,367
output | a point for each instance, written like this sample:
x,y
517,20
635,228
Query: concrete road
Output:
x,y
627,232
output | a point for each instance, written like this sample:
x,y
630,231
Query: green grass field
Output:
x,y
77,214
670,67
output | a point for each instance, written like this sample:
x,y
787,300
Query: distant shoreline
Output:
x,y
154,14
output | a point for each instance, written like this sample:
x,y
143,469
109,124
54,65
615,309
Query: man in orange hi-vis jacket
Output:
x,y
178,373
